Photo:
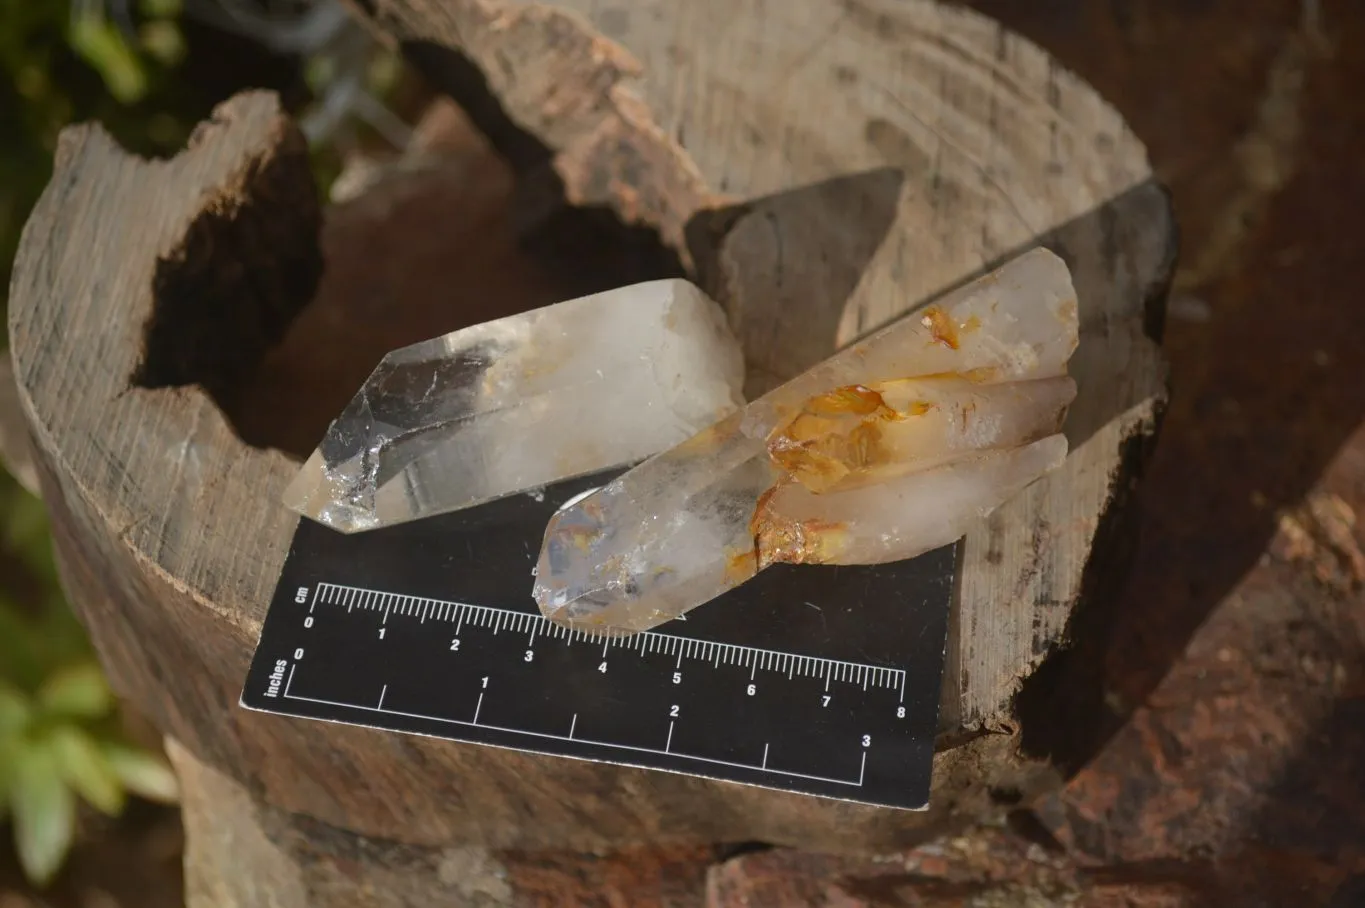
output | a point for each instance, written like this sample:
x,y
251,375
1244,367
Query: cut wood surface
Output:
x,y
822,166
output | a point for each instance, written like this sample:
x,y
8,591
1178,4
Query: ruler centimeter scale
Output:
x,y
767,688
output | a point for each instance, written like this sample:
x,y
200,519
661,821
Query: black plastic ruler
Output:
x,y
819,680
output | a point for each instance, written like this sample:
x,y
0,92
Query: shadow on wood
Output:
x,y
785,266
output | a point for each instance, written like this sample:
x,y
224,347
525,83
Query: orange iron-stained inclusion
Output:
x,y
837,434
779,539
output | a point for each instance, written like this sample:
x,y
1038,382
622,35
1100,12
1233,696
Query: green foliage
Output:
x,y
56,69
60,738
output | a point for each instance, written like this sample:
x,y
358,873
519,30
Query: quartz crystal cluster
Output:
x,y
513,404
892,447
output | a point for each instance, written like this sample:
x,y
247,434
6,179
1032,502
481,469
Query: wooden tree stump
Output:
x,y
180,329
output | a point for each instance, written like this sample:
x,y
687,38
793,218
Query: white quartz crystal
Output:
x,y
893,447
513,404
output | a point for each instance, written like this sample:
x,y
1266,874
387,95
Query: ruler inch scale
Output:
x,y
820,681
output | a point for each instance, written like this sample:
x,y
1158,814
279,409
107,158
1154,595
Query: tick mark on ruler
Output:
x,y
382,692
668,745
765,755
573,725
478,706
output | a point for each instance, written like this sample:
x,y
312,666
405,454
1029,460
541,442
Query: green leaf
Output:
x,y
15,711
161,9
143,773
9,750
100,44
64,637
41,561
318,71
19,663
86,768
26,522
384,72
79,691
163,41
44,814
27,532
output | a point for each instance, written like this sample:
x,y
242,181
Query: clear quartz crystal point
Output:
x,y
513,404
893,447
